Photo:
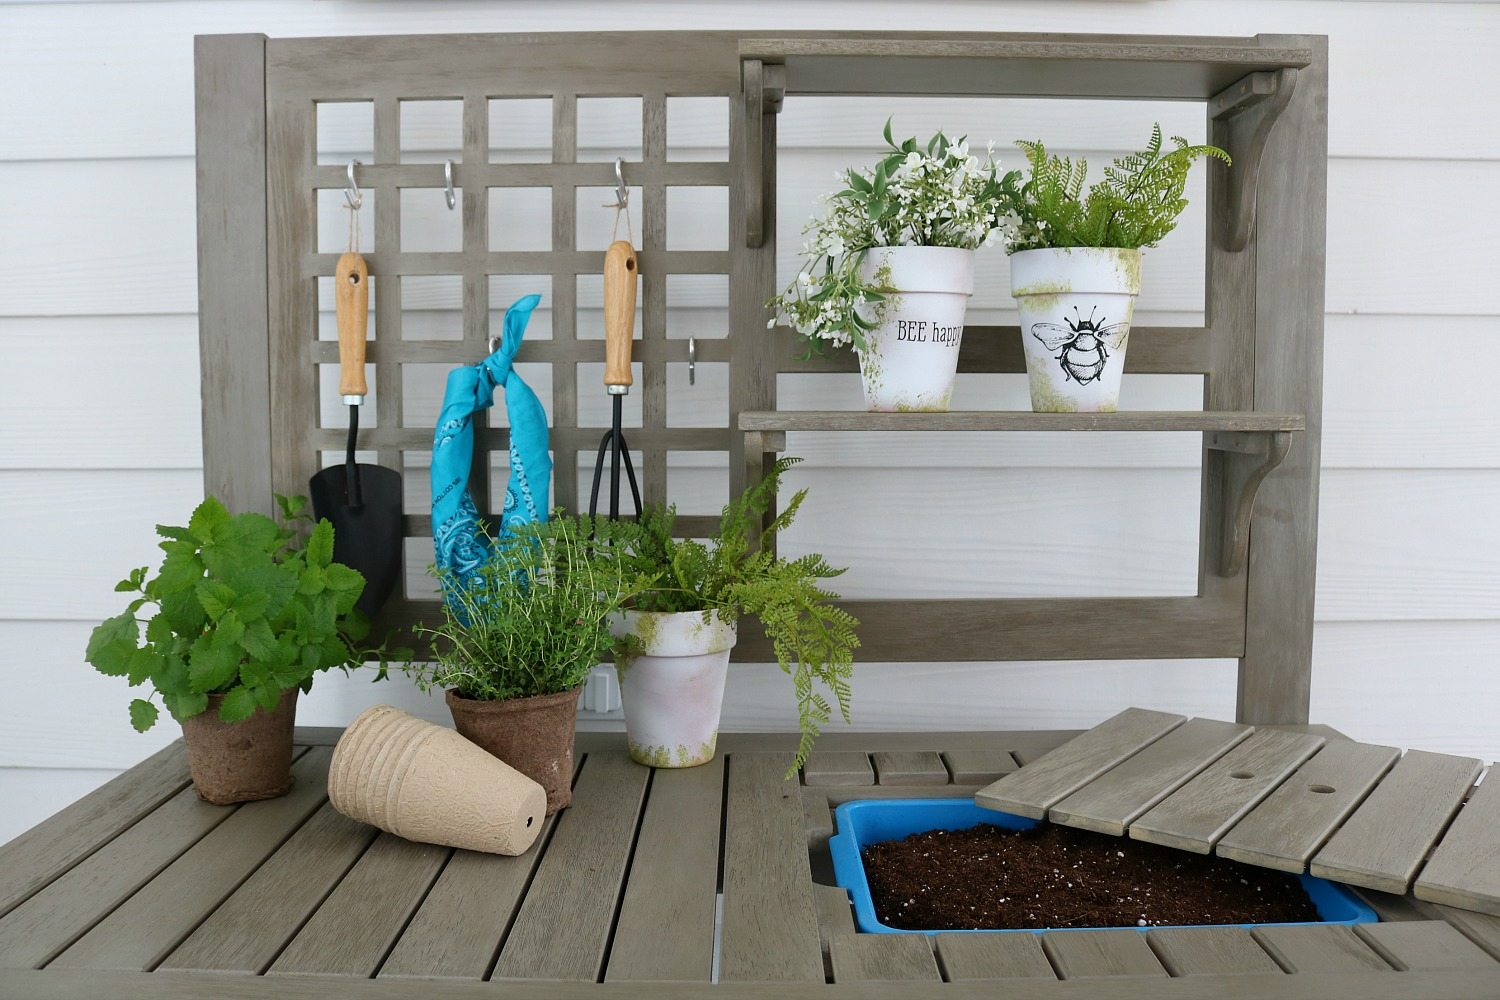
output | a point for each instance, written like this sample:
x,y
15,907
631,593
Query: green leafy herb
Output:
x,y
535,619
737,574
244,607
1136,204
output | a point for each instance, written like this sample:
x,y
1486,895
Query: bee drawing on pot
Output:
x,y
1085,344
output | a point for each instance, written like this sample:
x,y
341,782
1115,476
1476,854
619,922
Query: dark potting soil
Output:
x,y
987,877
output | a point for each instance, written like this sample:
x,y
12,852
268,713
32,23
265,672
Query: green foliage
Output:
x,y
736,574
1136,204
932,194
244,607
536,617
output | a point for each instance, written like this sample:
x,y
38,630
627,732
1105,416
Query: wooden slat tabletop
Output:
x,y
1465,868
288,899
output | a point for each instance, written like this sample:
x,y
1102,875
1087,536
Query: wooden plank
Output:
x,y
837,767
967,957
1481,928
233,315
1384,842
665,928
1286,829
1286,374
1040,785
1195,816
1204,951
40,985
877,958
818,812
459,926
978,767
837,796
55,917
1306,948
1019,420
770,922
1425,945
1112,801
254,924
909,767
56,844
835,913
563,927
1464,869
147,926
1095,954
356,926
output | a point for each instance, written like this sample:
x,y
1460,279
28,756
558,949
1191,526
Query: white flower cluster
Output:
x,y
937,195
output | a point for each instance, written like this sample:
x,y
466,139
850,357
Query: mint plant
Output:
x,y
244,607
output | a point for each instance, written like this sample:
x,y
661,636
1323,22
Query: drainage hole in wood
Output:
x,y
1320,789
1242,775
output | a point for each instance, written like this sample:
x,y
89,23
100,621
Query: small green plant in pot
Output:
x,y
515,645
1075,264
675,639
246,612
889,267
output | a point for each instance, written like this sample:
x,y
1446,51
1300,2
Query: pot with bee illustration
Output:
x,y
910,359
1076,304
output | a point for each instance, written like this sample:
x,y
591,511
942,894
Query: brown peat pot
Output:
x,y
241,761
533,735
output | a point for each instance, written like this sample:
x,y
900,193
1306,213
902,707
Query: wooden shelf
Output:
x,y
1243,447
1022,420
1092,66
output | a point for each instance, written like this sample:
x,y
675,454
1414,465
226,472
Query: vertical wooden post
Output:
x,y
233,310
1291,224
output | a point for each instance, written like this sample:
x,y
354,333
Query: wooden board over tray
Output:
x,y
1278,797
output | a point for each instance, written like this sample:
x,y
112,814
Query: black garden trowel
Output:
x,y
363,501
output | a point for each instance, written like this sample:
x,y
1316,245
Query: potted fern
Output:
x,y
889,268
1075,262
518,639
246,611
672,654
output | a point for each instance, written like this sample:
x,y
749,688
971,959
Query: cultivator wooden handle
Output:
x,y
351,297
619,314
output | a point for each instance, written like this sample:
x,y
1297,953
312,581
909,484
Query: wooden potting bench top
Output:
x,y
653,884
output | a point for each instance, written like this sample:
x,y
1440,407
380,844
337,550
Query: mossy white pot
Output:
x,y
1076,305
673,690
910,360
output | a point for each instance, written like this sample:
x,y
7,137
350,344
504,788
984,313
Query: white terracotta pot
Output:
x,y
910,360
1075,304
673,690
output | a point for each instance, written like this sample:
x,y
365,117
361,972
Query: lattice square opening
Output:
x,y
428,225
520,218
432,131
505,289
345,131
432,307
596,227
697,218
698,128
697,306
333,221
594,406
609,127
520,130
702,403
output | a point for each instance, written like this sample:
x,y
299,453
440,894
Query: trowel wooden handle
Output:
x,y
351,297
619,312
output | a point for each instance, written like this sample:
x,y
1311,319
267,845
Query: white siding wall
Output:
x,y
99,402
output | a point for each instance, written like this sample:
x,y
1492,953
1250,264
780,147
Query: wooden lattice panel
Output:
x,y
304,76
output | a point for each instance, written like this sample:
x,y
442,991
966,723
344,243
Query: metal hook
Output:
x,y
622,193
448,180
692,361
352,193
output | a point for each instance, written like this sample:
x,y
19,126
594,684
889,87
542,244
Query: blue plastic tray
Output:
x,y
876,820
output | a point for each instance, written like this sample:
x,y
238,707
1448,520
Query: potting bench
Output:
x,y
141,891
658,883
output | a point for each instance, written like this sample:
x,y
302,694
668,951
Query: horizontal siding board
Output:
x,y
139,101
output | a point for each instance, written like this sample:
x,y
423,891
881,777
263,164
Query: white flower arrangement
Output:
x,y
932,195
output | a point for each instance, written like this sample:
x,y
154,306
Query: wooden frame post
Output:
x,y
1276,670
233,318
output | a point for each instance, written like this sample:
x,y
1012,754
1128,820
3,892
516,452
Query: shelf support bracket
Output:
x,y
1246,111
1247,460
764,88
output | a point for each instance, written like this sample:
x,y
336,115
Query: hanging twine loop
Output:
x,y
621,204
